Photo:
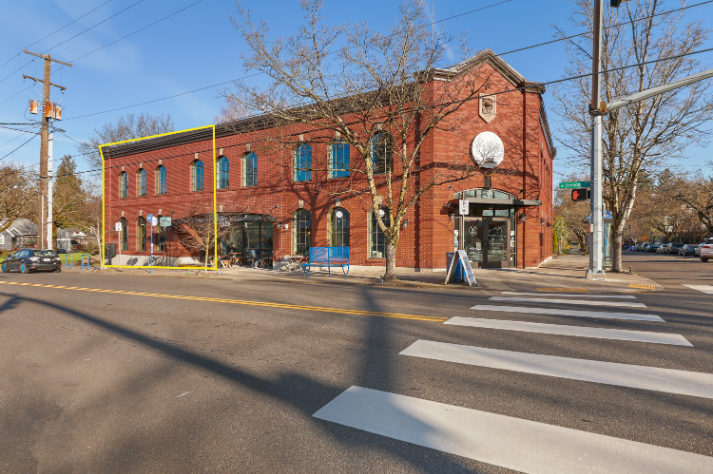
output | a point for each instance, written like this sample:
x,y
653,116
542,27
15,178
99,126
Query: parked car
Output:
x,y
673,248
707,250
688,250
652,248
661,249
30,260
697,250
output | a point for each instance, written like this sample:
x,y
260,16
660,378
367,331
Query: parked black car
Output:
x,y
29,260
652,248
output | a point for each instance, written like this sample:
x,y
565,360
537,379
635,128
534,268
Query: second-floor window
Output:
x,y
339,160
123,184
382,153
161,180
303,163
250,170
223,172
197,176
141,182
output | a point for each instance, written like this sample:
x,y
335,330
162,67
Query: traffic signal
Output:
x,y
617,3
581,194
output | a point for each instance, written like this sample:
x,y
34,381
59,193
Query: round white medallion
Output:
x,y
339,214
487,150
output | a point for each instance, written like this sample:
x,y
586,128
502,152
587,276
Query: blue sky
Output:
x,y
199,47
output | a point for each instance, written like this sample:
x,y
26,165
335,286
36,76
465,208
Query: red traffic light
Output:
x,y
580,194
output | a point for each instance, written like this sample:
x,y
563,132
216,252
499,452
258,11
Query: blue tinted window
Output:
x,y
250,170
141,182
303,163
161,180
223,173
339,160
197,176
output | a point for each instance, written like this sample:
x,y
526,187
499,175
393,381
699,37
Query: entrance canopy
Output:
x,y
493,197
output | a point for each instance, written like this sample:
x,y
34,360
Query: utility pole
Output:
x,y
45,212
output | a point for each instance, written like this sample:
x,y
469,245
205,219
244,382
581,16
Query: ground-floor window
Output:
x,y
302,226
160,237
141,234
124,235
339,227
246,236
377,239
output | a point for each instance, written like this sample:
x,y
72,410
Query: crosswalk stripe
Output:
x,y
695,384
569,295
623,304
577,331
568,312
508,442
708,289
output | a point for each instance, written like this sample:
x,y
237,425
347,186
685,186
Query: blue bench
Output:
x,y
328,257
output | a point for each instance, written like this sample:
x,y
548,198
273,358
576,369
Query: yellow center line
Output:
x,y
244,302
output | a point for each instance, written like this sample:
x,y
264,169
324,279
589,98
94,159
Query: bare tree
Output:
x,y
17,189
573,213
125,128
231,111
381,94
199,231
697,195
646,134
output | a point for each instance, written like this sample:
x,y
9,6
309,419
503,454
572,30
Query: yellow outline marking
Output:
x,y
251,303
215,201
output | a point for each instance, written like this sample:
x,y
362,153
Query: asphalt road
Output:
x,y
221,376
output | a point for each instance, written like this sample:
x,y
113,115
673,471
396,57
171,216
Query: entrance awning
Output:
x,y
501,202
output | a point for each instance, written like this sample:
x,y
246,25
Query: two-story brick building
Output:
x,y
280,202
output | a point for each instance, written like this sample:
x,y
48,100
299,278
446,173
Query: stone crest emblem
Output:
x,y
487,107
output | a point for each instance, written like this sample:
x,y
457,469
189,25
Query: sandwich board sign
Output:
x,y
460,269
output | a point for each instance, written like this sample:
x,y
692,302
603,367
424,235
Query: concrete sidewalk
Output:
x,y
562,274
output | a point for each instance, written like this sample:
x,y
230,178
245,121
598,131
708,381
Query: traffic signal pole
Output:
x,y
596,252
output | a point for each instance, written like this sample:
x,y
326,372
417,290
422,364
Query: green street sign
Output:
x,y
576,184
165,221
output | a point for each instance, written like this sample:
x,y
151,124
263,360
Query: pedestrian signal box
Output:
x,y
581,194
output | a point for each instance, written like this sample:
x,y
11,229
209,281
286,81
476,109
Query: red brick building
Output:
x,y
279,202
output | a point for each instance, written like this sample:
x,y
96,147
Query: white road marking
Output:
x,y
183,394
577,331
568,295
623,304
567,312
708,289
695,384
508,442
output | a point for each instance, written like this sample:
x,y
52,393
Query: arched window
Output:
x,y
124,234
303,163
250,170
123,184
223,172
382,152
377,239
160,236
161,180
197,176
339,227
141,182
302,227
141,234
339,160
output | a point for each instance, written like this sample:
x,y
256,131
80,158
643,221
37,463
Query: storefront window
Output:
x,y
302,225
124,236
160,237
377,239
339,228
141,234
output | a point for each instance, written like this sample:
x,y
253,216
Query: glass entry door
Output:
x,y
487,241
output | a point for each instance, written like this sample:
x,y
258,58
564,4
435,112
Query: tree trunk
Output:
x,y
390,274
616,251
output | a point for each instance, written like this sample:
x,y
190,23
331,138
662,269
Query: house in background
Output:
x,y
21,233
71,239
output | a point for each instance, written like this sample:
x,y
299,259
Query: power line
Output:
x,y
439,21
13,151
78,34
56,31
